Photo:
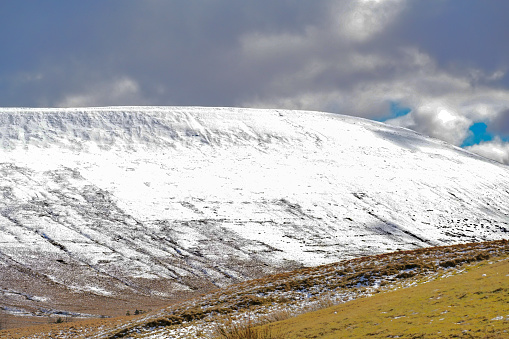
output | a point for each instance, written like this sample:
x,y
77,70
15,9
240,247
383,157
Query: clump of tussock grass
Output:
x,y
245,330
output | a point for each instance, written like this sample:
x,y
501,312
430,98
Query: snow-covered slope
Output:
x,y
154,201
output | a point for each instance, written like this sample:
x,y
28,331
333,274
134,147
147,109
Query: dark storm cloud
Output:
x,y
179,52
467,33
499,125
183,52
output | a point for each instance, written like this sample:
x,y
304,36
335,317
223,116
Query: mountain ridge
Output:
x,y
154,202
12,116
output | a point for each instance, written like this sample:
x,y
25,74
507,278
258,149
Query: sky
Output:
x,y
438,67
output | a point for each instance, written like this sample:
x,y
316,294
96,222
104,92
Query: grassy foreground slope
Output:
x,y
474,304
457,276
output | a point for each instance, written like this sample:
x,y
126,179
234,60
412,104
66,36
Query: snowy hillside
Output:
x,y
149,202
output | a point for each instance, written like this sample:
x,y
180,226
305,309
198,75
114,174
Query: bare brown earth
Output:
x,y
71,306
105,307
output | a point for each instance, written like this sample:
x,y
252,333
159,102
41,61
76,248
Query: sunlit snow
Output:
x,y
106,200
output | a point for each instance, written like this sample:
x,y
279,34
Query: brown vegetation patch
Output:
x,y
311,288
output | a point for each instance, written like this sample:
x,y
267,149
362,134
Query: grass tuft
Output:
x,y
244,330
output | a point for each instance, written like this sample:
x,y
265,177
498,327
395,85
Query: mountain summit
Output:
x,y
126,204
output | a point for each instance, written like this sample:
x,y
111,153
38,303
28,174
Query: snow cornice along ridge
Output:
x,y
197,126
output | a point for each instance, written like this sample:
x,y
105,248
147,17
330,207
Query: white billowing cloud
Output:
x,y
449,117
437,121
495,149
122,90
444,105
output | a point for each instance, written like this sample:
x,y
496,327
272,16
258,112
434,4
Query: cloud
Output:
x,y
442,104
320,66
122,91
364,70
361,20
496,150
445,106
437,121
446,64
499,124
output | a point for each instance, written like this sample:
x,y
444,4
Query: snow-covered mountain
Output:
x,y
144,203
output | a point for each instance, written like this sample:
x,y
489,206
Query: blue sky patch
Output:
x,y
479,134
396,110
